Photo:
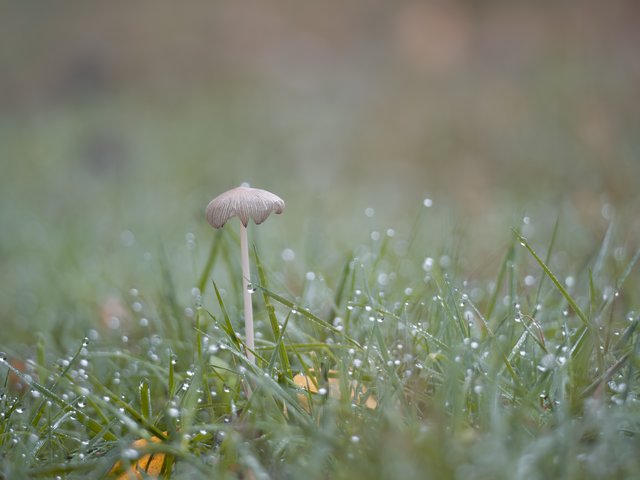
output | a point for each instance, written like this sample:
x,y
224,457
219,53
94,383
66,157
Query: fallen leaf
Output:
x,y
149,464
333,387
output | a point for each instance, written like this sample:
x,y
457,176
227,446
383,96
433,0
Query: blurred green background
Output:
x,y
119,121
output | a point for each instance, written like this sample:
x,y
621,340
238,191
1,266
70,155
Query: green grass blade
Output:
x,y
508,257
145,399
547,259
211,260
273,321
308,315
226,326
87,421
581,315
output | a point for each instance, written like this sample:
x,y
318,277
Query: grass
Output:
x,y
470,337
526,368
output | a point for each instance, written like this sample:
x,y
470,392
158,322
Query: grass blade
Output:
x,y
273,320
581,315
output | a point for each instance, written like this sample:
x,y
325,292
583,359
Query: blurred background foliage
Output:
x,y
119,121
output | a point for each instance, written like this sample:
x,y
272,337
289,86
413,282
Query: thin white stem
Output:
x,y
246,279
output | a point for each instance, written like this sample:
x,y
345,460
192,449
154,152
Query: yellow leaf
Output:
x,y
149,464
333,389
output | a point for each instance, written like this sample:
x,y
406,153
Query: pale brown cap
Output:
x,y
244,203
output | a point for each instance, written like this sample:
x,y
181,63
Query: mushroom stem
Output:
x,y
246,278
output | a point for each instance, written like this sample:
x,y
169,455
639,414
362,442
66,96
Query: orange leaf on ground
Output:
x,y
150,464
333,387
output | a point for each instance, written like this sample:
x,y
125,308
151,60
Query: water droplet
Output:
x,y
369,212
427,202
427,265
288,255
127,238
113,322
310,276
355,439
322,391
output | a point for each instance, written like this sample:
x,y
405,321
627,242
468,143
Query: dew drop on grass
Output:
x,y
130,454
288,255
427,265
355,439
427,202
322,391
113,322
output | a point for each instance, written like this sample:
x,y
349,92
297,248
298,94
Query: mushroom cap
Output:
x,y
244,203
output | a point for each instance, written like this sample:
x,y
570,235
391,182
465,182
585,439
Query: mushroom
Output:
x,y
245,203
